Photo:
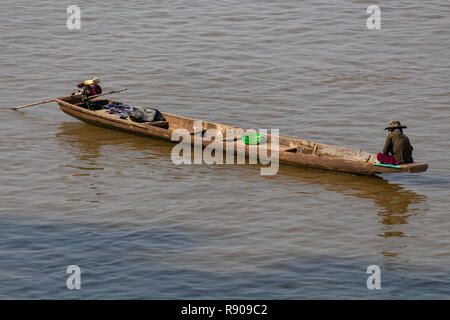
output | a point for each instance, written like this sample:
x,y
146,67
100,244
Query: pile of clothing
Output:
x,y
119,109
136,114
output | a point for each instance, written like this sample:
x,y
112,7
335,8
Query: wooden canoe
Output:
x,y
292,151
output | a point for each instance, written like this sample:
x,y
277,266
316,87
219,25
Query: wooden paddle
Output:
x,y
54,99
33,104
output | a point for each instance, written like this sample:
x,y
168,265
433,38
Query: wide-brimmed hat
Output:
x,y
395,125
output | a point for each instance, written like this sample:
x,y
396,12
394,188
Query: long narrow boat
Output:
x,y
291,150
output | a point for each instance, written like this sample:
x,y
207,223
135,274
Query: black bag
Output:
x,y
146,115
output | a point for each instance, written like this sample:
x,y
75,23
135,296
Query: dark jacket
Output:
x,y
398,146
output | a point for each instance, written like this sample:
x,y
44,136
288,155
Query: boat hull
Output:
x,y
291,151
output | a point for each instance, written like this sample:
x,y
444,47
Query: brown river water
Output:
x,y
139,226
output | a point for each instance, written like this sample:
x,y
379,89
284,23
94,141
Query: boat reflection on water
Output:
x,y
396,204
87,141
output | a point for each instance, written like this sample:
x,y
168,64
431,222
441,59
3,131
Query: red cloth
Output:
x,y
385,159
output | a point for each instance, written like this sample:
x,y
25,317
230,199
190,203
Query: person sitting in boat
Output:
x,y
397,148
89,88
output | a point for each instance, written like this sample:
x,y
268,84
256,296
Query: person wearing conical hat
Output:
x,y
397,148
